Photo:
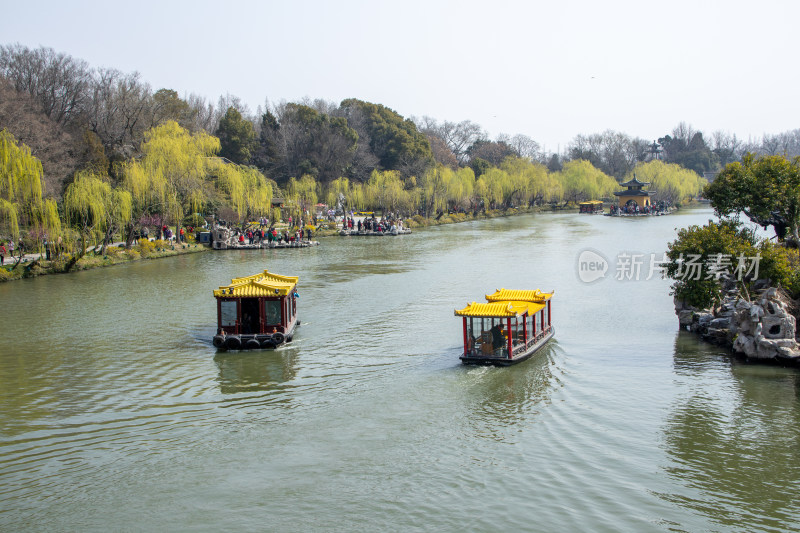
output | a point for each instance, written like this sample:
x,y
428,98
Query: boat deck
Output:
x,y
521,353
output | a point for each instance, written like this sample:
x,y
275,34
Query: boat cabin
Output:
x,y
510,327
258,311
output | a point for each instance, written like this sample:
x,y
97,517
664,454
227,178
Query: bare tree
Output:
x,y
727,147
59,83
684,132
120,110
614,153
202,115
55,147
771,144
458,137
526,147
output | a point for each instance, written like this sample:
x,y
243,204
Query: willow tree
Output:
x,y
461,188
246,187
171,178
303,193
96,209
386,191
86,204
531,180
668,181
583,181
20,184
433,189
339,193
499,187
49,221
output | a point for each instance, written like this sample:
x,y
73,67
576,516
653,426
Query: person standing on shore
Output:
x,y
2,254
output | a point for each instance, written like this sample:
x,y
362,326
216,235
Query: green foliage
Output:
x,y
729,239
386,191
319,145
91,206
781,265
237,137
302,194
20,183
669,182
479,166
582,181
167,105
394,140
688,149
145,247
246,188
701,244
171,178
766,189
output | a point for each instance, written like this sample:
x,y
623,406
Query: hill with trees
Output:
x,y
82,138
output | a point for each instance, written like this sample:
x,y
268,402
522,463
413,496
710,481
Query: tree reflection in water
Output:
x,y
734,437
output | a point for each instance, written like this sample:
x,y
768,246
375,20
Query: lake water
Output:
x,y
117,414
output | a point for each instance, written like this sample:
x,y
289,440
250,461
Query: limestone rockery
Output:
x,y
762,328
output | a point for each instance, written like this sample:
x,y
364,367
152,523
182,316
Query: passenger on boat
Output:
x,y
497,336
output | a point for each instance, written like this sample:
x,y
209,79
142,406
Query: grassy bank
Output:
x,y
114,255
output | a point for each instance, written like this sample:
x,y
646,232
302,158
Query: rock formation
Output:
x,y
763,328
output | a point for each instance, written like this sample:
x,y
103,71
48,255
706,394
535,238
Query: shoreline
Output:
x,y
34,266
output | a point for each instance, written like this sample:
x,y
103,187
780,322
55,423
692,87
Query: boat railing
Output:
x,y
522,347
477,349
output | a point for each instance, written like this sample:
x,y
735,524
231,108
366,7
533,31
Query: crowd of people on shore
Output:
x,y
269,235
386,224
634,209
9,251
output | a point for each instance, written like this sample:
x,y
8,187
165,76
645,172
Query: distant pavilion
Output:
x,y
633,194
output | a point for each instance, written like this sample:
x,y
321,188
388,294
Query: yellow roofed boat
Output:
x,y
258,311
591,207
506,329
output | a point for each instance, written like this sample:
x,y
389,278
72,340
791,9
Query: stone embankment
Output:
x,y
762,328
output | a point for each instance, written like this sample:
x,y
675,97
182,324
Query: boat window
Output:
x,y
272,312
227,313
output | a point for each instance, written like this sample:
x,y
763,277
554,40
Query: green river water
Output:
x,y
117,414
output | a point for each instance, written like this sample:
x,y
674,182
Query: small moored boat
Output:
x,y
591,207
258,311
508,328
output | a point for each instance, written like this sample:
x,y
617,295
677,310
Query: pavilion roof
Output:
x,y
505,309
258,285
634,183
519,295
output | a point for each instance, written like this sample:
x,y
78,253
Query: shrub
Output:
x,y
698,248
781,265
146,247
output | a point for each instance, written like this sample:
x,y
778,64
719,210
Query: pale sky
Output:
x,y
549,70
